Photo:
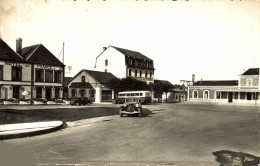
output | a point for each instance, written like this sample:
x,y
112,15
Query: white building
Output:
x,y
91,84
125,63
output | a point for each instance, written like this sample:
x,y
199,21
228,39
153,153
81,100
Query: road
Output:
x,y
173,134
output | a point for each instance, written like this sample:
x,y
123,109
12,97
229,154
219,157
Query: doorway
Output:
x,y
230,97
16,92
48,92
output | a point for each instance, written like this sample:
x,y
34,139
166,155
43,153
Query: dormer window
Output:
x,y
83,80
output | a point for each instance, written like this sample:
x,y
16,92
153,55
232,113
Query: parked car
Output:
x,y
80,101
131,106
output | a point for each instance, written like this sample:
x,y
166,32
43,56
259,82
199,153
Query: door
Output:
x,y
16,92
230,97
48,93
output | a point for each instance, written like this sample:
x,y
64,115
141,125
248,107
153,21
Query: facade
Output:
x,y
91,84
125,63
244,90
33,69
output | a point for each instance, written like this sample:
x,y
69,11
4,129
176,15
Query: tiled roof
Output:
x,y
130,53
252,71
216,83
40,54
102,77
81,85
7,53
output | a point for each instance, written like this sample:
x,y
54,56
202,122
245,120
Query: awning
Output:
x,y
238,90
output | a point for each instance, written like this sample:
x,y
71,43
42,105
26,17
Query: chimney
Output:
x,y
193,78
104,48
19,46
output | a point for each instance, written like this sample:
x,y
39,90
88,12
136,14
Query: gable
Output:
x,y
7,53
41,55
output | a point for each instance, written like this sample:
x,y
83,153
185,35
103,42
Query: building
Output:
x,y
244,90
125,63
91,84
33,69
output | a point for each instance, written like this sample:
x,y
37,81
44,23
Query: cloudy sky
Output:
x,y
213,39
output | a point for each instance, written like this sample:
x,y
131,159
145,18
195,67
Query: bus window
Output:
x,y
128,94
132,94
119,94
136,94
141,94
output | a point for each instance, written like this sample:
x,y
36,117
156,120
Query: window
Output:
x,y
48,76
83,80
218,95
132,94
1,72
141,94
82,92
73,93
151,74
38,92
128,94
206,94
130,72
16,74
136,73
92,93
105,70
106,62
39,75
140,73
57,76
131,61
195,94
57,93
139,62
146,74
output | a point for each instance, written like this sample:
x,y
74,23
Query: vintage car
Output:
x,y
131,106
80,101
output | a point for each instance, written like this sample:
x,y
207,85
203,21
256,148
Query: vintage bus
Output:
x,y
144,96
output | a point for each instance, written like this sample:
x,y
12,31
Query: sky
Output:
x,y
213,39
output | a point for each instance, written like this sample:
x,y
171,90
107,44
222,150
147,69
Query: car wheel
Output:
x,y
140,115
120,113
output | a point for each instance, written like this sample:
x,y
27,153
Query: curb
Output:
x,y
31,133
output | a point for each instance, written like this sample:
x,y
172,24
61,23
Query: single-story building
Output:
x,y
91,84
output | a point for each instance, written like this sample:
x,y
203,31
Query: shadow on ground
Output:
x,y
10,116
230,158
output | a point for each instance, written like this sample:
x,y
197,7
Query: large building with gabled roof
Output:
x,y
125,63
244,90
33,69
91,84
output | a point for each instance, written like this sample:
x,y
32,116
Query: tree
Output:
x,y
127,84
157,88
166,87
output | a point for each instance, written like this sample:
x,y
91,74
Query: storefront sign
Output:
x,y
14,64
48,67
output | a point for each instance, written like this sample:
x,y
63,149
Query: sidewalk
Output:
x,y
8,131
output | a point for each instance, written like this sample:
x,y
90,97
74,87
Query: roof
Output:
x,y
67,80
216,83
163,82
252,71
40,54
7,53
81,85
101,77
130,53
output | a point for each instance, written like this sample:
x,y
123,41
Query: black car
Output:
x,y
80,101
